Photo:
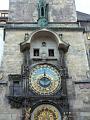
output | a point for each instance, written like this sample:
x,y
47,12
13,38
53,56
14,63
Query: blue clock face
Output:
x,y
44,79
44,82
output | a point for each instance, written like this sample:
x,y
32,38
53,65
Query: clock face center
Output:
x,y
44,82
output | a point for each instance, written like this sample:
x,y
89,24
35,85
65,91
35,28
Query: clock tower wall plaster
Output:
x,y
26,10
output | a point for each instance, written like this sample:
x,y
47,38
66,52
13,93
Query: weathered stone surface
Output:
x,y
6,113
76,57
59,10
13,58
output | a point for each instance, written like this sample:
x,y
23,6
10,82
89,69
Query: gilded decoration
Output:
x,y
27,114
46,112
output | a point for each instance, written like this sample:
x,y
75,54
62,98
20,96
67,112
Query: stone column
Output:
x,y
61,59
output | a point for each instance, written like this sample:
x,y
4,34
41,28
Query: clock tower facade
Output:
x,y
45,62
27,10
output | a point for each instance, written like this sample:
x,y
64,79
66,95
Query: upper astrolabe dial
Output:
x,y
44,79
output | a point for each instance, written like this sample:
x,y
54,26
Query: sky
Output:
x,y
81,5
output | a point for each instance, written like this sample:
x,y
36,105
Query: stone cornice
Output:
x,y
34,26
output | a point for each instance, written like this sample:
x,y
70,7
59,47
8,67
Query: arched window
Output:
x,y
42,11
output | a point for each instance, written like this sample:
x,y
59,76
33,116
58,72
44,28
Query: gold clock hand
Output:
x,y
44,73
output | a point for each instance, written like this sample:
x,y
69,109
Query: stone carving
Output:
x,y
26,37
65,117
27,114
42,13
1,76
42,22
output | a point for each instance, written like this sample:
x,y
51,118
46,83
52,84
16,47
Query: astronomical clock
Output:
x,y
44,79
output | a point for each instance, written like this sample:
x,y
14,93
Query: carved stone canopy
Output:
x,y
44,33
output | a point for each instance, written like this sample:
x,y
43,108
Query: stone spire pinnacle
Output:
x,y
42,13
42,2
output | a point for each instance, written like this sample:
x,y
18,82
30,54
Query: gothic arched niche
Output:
x,y
45,42
45,112
42,11
45,32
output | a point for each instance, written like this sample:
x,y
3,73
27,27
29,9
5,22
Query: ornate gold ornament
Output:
x,y
46,112
27,113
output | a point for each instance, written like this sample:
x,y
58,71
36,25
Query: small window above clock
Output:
x,y
36,52
51,52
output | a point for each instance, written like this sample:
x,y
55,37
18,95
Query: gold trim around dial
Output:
x,y
44,79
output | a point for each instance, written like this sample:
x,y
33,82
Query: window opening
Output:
x,y
51,52
36,52
42,11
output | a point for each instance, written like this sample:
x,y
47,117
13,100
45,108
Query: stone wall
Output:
x,y
82,101
26,10
13,58
76,61
6,113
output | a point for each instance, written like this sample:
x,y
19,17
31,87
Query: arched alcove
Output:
x,y
47,43
46,33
